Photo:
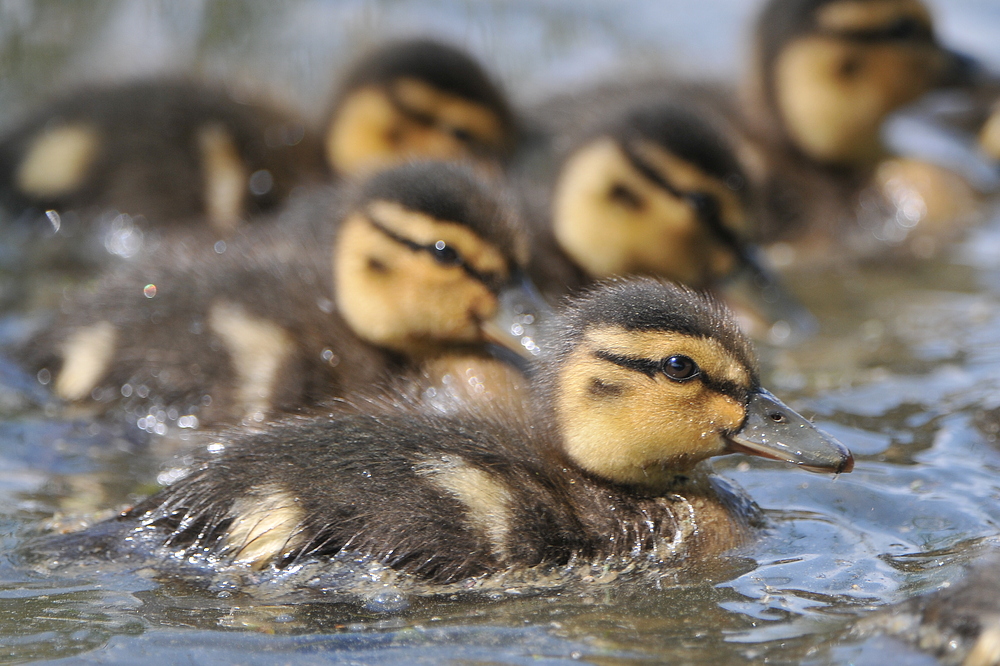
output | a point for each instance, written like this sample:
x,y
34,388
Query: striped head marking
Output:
x,y
834,69
648,379
644,199
408,281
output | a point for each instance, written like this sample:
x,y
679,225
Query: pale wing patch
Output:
x,y
224,174
265,526
86,355
488,501
58,160
258,348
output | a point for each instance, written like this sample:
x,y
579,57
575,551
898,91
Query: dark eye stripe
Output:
x,y
491,281
651,368
904,29
643,365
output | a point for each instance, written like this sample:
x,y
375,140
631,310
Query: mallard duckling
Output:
x,y
417,98
959,623
826,75
645,381
343,289
647,184
170,153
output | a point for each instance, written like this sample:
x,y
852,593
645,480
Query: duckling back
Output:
x,y
345,287
172,151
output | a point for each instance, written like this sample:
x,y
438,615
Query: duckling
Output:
x,y
345,288
173,153
826,75
643,382
959,623
417,98
647,184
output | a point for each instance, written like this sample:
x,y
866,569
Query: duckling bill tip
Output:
x,y
774,430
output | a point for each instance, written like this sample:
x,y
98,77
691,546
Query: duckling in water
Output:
x,y
172,151
959,623
645,381
826,75
418,99
343,289
177,153
647,184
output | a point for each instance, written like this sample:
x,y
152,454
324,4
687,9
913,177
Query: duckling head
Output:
x,y
647,378
424,257
656,192
830,71
417,99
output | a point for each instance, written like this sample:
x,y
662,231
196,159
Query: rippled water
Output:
x,y
907,363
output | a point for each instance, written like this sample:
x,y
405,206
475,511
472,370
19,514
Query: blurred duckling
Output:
x,y
958,623
648,184
170,153
827,73
344,289
417,99
643,382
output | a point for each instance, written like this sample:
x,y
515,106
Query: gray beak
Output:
x,y
518,318
773,430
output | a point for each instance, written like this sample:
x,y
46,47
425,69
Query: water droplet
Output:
x,y
54,219
216,447
261,182
149,291
220,247
44,377
126,390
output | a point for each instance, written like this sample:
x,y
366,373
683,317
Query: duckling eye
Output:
x,y
705,206
445,254
463,135
680,368
626,196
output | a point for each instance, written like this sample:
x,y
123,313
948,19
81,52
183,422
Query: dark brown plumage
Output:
x,y
238,329
447,496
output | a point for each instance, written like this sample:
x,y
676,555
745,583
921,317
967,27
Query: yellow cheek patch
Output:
x,y
852,15
358,140
266,525
658,234
487,500
425,230
258,349
86,354
450,110
403,299
58,160
647,428
225,177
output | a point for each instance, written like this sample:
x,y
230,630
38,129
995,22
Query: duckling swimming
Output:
x,y
417,98
344,288
647,184
643,382
173,153
826,75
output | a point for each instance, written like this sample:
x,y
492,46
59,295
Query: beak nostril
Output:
x,y
777,417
